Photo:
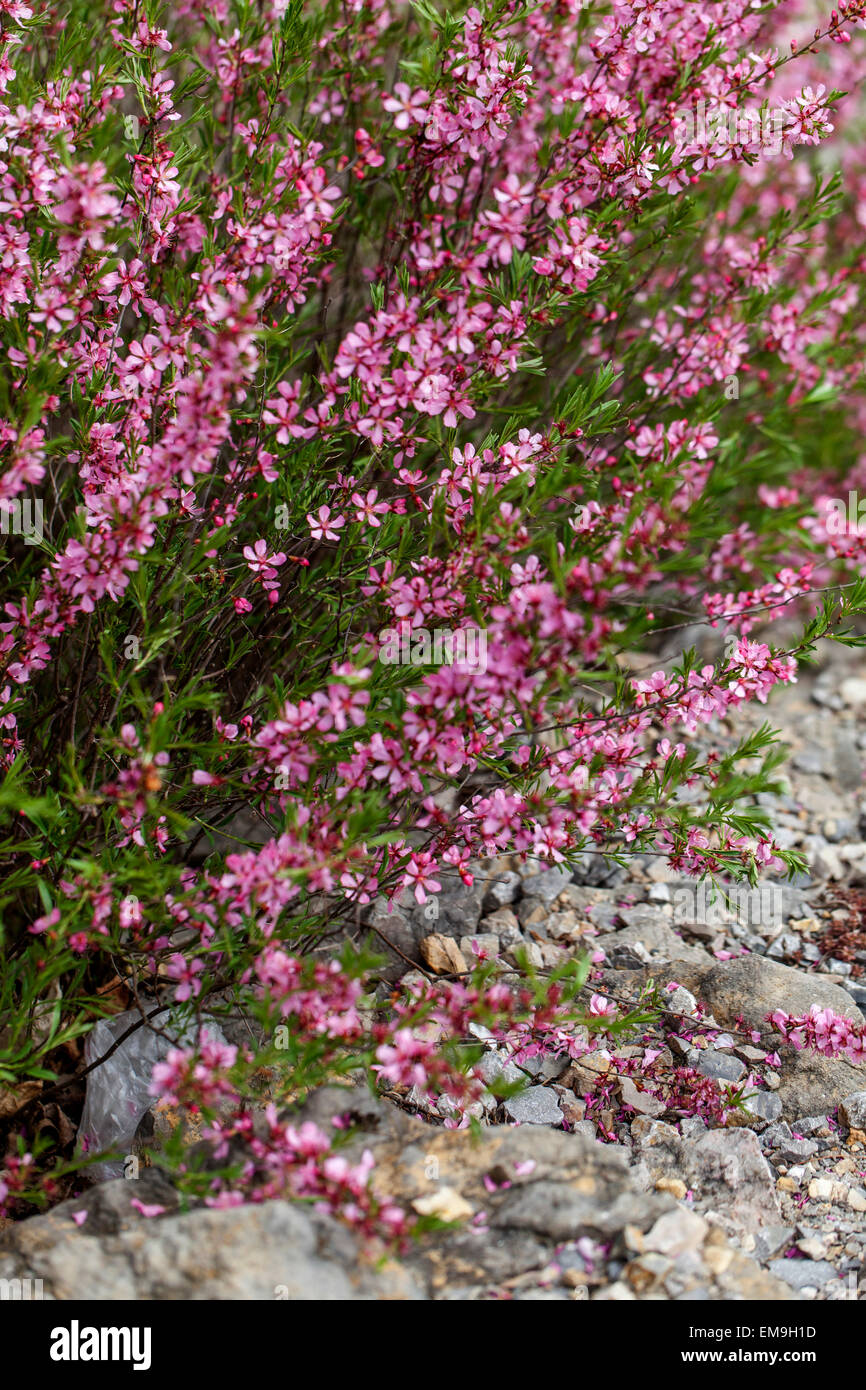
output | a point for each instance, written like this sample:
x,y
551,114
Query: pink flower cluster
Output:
x,y
822,1030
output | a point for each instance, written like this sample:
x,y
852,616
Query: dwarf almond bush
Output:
x,y
338,340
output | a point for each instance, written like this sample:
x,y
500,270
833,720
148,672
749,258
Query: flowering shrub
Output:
x,y
823,1031
327,321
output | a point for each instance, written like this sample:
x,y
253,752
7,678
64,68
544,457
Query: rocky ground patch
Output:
x,y
585,1185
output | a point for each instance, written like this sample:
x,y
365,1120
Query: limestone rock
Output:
x,y
501,891
656,940
259,1251
752,987
537,1105
443,955
852,1110
725,1169
802,1274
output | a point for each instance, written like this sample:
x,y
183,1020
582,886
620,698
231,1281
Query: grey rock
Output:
x,y
506,1255
814,1083
823,858
626,957
548,884
681,1001
717,1065
677,1232
762,909
561,1213
857,870
654,941
798,1150
584,899
765,1105
559,926
537,1105
813,1246
486,942
504,925
457,908
586,1128
693,1127
496,1066
827,695
789,897
639,1100
853,691
259,1251
501,891
848,763
806,1125
725,1168
804,1274
659,893
544,1067
734,1174
605,916
547,1186
400,929
355,1105
784,945
803,880
533,912
772,802
245,824
756,944
816,762
839,829
771,1240
852,1110
776,1134
596,871
857,992
108,1205
645,915
838,967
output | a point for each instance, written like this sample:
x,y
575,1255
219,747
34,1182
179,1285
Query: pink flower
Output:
x,y
324,526
401,1062
186,972
409,106
368,509
49,919
419,875
263,564
147,1209
600,1007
